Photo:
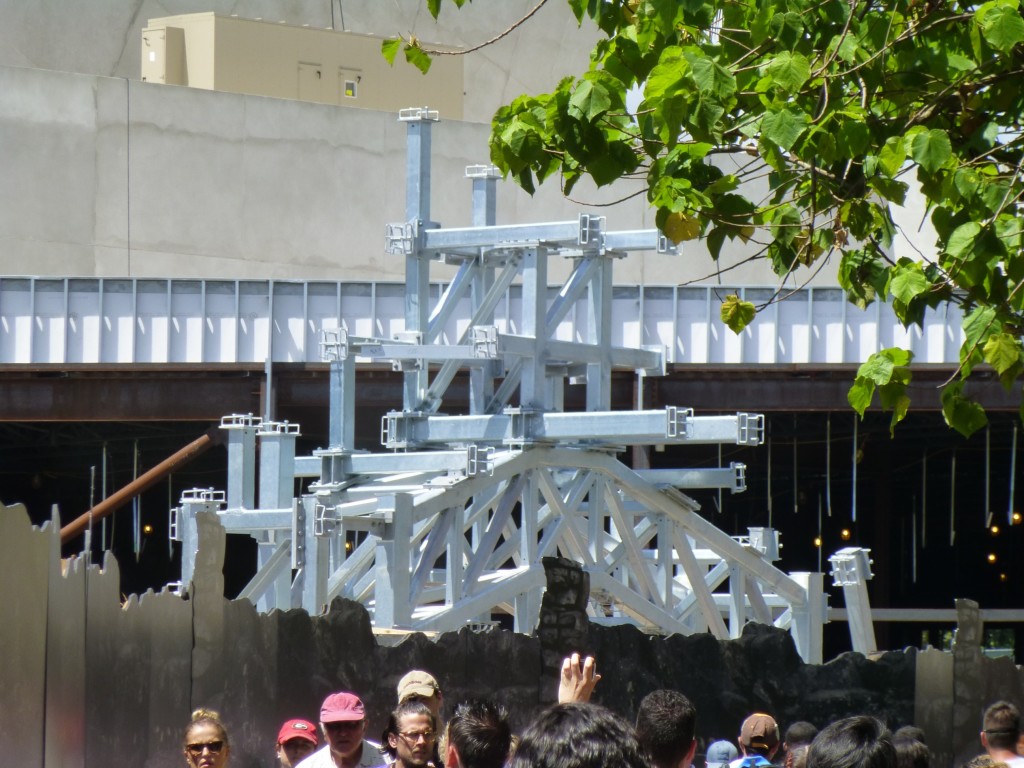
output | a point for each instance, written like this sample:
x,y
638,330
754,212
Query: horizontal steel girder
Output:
x,y
513,427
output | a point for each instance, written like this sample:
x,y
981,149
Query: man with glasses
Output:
x,y
411,735
343,722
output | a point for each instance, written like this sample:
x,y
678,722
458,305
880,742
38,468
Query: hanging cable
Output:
x,y
136,512
1013,475
924,499
952,500
769,477
988,475
853,459
828,465
796,487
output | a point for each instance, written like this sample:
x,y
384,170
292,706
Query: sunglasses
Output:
x,y
197,749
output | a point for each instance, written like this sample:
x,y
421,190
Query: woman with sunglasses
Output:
x,y
206,741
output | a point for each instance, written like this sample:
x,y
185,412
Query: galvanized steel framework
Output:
x,y
450,525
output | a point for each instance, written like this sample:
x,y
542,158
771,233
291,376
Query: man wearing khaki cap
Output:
x,y
759,741
418,685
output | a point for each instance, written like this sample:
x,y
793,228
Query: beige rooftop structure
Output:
x,y
253,56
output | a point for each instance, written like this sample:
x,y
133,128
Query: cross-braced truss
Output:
x,y
450,525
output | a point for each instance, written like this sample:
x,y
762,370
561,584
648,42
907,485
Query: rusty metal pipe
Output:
x,y
142,483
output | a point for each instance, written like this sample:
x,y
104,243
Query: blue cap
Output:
x,y
720,753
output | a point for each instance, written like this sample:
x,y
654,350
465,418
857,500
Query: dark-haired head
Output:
x,y
578,735
853,742
665,723
800,732
1001,724
911,753
391,730
480,734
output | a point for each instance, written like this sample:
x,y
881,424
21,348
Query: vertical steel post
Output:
x,y
394,569
535,309
599,332
342,387
485,186
417,267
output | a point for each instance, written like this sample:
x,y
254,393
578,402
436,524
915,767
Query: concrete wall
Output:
x,y
109,176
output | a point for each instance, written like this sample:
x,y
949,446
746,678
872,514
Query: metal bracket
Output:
x,y
485,341
749,428
482,171
591,228
240,420
173,531
739,476
479,460
334,345
676,421
666,246
279,428
521,427
299,537
325,521
396,428
414,114
400,239
851,566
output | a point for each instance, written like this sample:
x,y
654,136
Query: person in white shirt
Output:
x,y
1000,732
343,723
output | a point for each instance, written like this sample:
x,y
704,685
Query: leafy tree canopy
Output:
x,y
839,107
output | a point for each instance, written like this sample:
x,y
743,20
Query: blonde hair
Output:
x,y
203,716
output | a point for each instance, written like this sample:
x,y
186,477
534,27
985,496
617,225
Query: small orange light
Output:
x,y
994,530
147,529
817,541
845,534
991,557
1016,518
1003,577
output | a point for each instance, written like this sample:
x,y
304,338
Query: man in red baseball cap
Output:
x,y
343,724
296,741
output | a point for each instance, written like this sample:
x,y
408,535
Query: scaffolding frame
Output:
x,y
450,525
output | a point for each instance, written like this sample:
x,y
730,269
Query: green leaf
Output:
x,y
860,394
1001,24
418,58
434,6
711,77
789,71
786,28
931,149
589,101
737,314
892,156
784,126
887,373
908,281
961,242
1002,351
962,414
390,49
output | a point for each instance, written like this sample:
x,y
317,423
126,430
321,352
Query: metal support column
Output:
x,y
241,431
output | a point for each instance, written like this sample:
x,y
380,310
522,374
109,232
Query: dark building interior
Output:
x,y
823,478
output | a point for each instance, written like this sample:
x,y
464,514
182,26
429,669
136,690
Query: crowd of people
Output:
x,y
575,733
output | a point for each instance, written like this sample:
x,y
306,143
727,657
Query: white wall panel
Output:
x,y
49,321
